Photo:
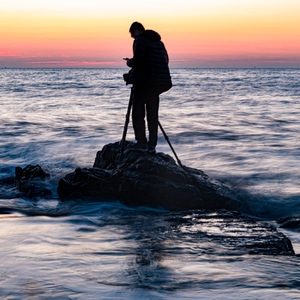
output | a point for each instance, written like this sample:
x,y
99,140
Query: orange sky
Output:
x,y
231,33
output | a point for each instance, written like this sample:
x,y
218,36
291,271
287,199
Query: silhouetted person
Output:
x,y
150,77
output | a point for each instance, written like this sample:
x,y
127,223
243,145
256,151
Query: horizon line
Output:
x,y
114,67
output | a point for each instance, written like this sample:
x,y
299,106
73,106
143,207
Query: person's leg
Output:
x,y
138,115
152,106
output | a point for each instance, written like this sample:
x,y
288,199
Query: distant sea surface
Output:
x,y
239,126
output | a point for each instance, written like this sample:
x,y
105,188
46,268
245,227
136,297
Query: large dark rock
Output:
x,y
141,178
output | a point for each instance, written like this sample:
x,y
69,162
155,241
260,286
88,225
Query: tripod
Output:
x,y
122,143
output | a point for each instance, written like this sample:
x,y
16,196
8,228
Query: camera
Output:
x,y
129,77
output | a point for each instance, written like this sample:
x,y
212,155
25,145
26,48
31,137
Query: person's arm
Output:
x,y
139,54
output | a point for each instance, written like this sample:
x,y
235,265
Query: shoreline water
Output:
x,y
240,126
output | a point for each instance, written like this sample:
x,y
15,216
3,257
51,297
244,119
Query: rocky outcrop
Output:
x,y
204,210
140,178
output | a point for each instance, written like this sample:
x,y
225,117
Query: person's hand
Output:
x,y
127,61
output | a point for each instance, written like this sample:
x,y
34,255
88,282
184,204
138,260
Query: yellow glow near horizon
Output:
x,y
196,33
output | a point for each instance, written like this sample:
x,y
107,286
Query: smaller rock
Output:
x,y
30,181
290,222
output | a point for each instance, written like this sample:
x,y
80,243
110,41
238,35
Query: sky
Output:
x,y
196,33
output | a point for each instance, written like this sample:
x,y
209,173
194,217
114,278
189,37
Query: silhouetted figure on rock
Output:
x,y
150,77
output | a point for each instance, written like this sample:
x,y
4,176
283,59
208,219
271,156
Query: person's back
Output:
x,y
150,60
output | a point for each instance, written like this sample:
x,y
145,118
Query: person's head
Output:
x,y
136,29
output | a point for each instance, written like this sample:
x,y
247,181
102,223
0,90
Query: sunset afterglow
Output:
x,y
91,33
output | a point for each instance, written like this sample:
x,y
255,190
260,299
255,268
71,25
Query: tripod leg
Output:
x,y
167,139
122,143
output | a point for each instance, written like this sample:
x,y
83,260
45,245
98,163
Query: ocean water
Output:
x,y
240,126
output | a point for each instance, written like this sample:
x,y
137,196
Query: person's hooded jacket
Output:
x,y
150,60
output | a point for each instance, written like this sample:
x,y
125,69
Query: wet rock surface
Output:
x,y
140,178
216,232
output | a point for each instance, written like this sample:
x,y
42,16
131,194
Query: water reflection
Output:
x,y
112,248
148,269
157,250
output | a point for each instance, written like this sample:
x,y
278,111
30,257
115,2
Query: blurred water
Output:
x,y
240,126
